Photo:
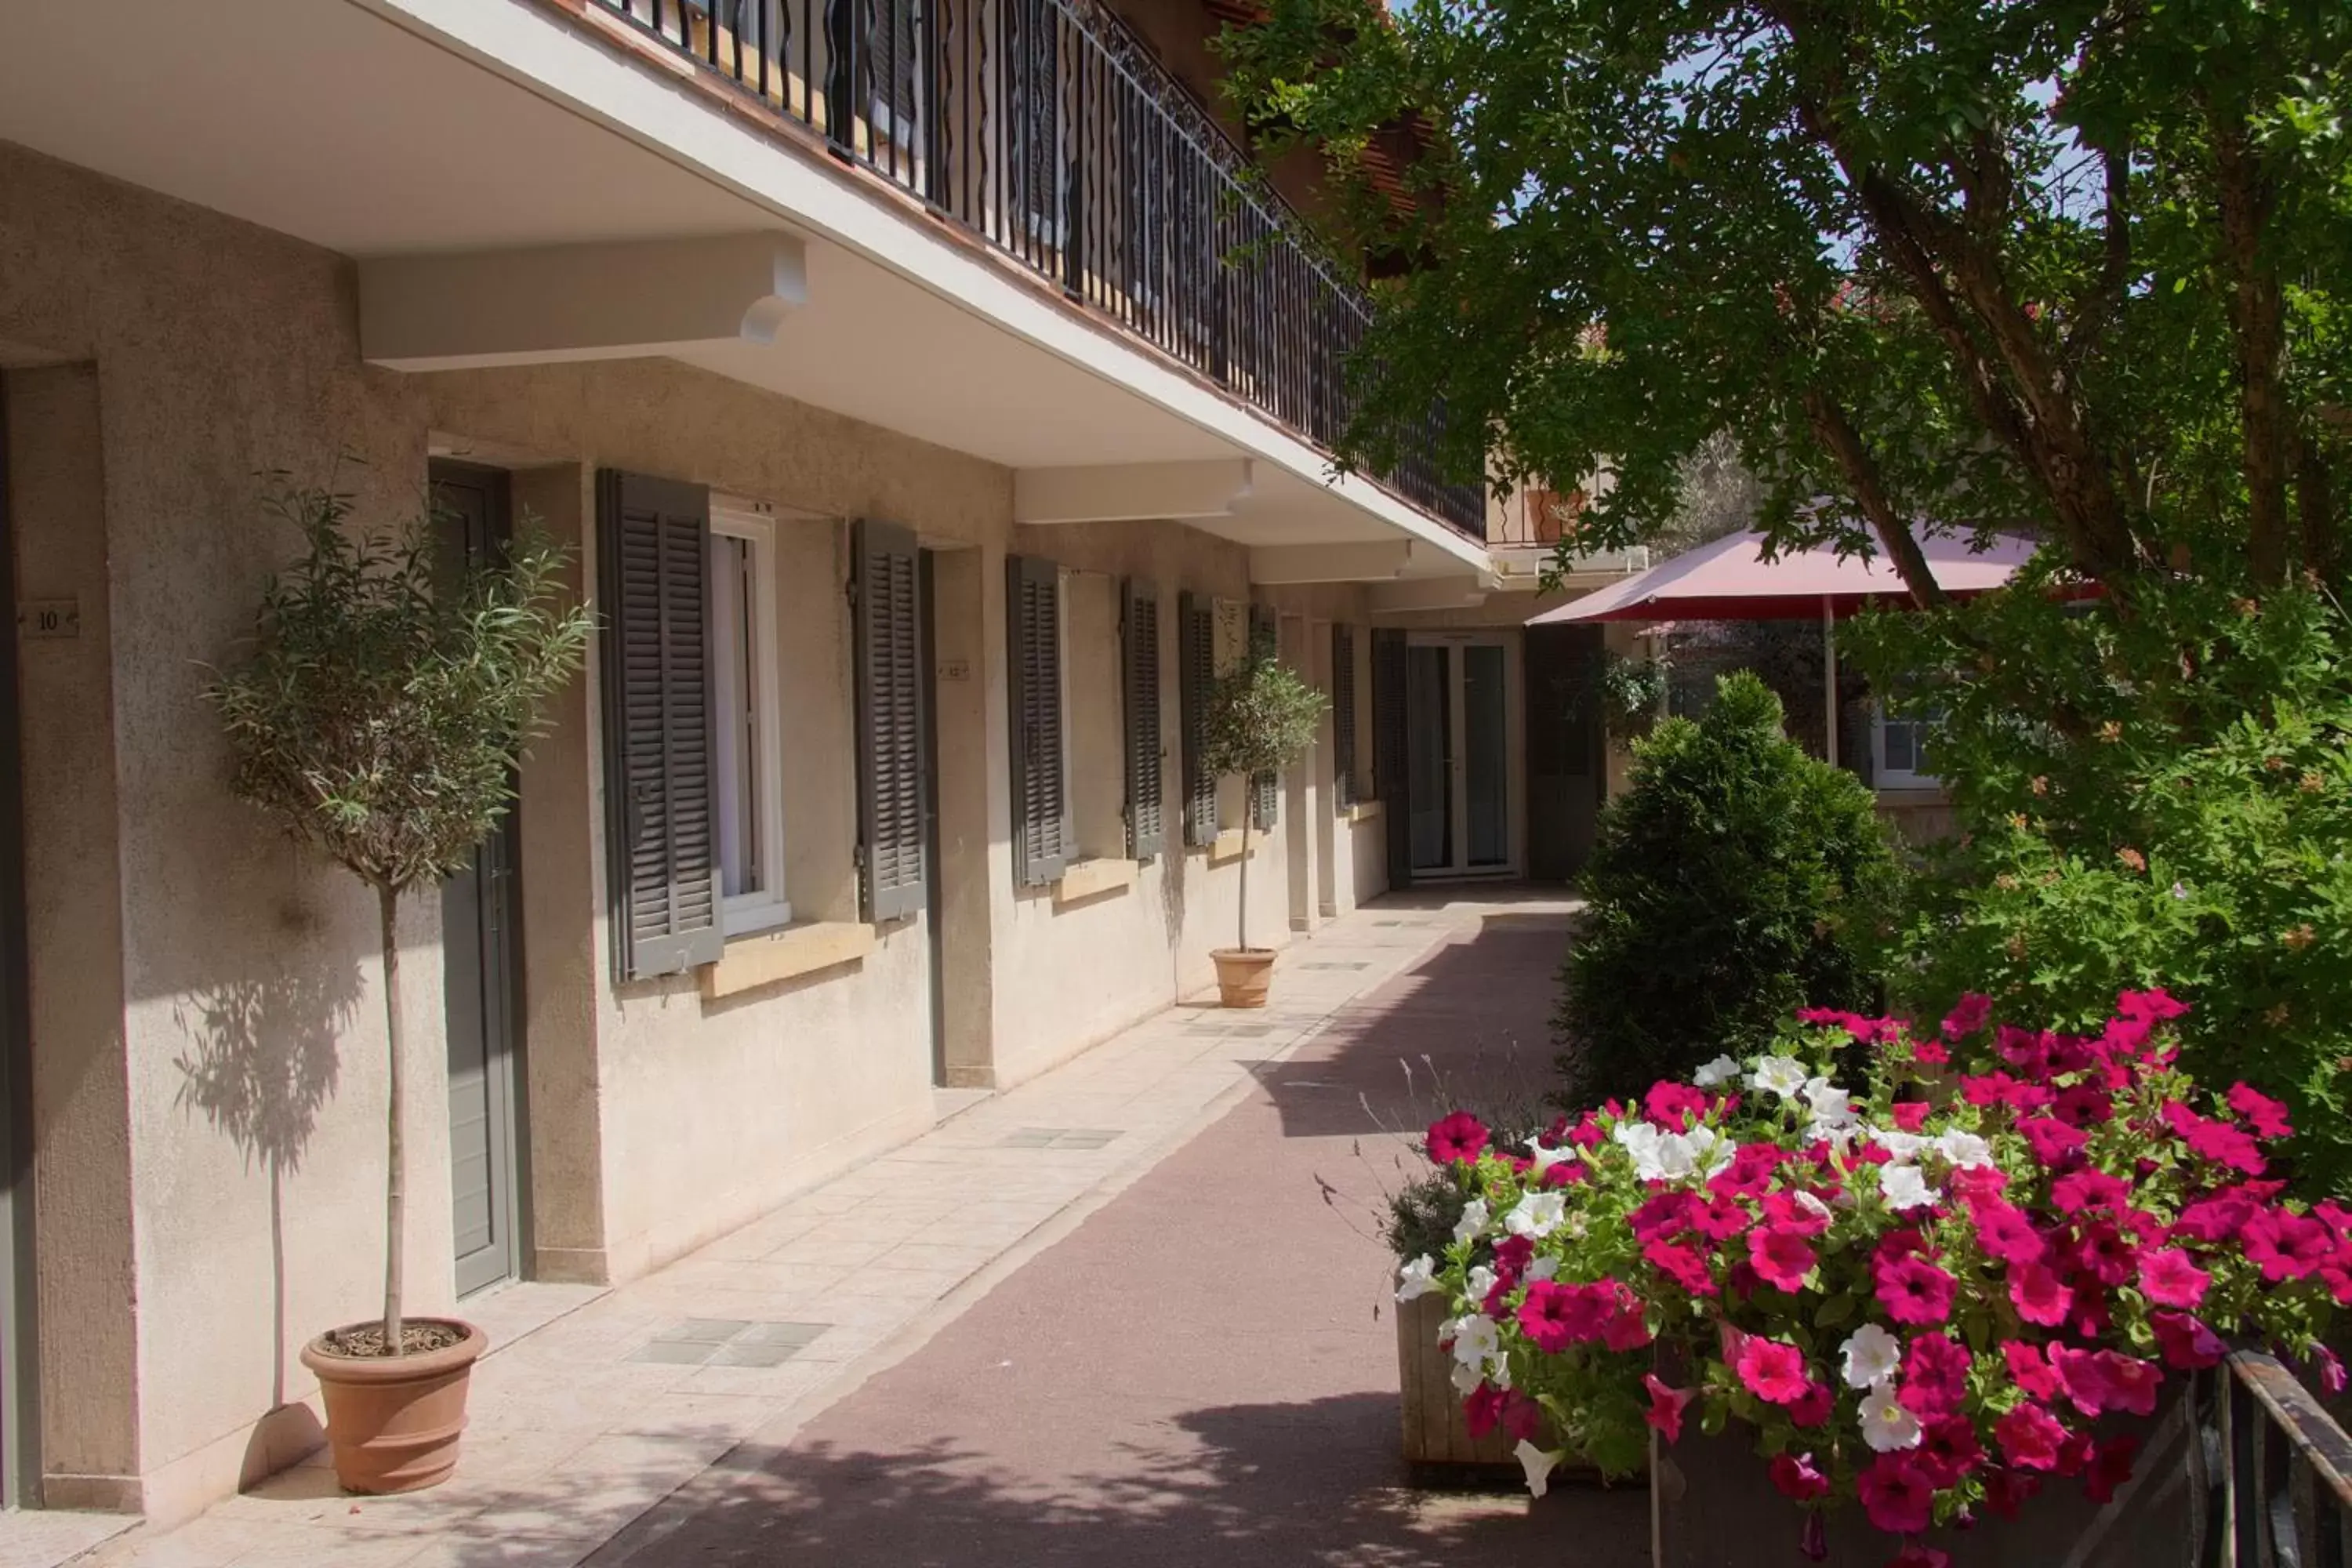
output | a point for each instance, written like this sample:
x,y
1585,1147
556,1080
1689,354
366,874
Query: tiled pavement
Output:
x,y
593,1407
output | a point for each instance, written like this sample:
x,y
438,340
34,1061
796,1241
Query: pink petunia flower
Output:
x,y
1789,1211
2085,1105
1773,1372
1666,1406
1909,1115
2029,1437
2040,1296
2157,1006
2331,1369
2169,1279
2216,1217
1898,1494
1973,1011
2132,1384
1920,1554
2266,1116
2006,1490
2054,1143
1815,1409
1781,1256
1666,1214
1750,1171
2004,1232
1721,1218
1673,1106
2110,1468
2029,1368
1929,1053
1553,1316
1625,1329
1798,1479
2084,1376
2079,1190
1457,1139
2026,1050
2285,1245
2187,1343
1934,1376
1482,1409
2106,1253
1949,1449
1687,1266
1915,1291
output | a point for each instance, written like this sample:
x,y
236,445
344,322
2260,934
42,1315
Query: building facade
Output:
x,y
931,406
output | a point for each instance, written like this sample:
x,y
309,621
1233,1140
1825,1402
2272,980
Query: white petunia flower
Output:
x,y
1710,1150
1714,1074
1963,1149
1467,1378
1902,1145
1676,1157
1870,1356
1472,1220
1832,1106
1540,1159
1479,1284
1543,1268
1474,1339
1646,1144
1783,1076
1904,1187
1813,1206
1535,1216
1885,1424
1417,1278
1538,1463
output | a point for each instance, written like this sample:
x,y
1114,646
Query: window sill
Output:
x,y
1090,878
1362,811
764,958
1228,846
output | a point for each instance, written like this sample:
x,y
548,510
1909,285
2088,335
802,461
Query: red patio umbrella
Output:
x,y
1730,579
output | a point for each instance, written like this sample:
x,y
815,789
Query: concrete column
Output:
x,y
562,813
1305,797
973,802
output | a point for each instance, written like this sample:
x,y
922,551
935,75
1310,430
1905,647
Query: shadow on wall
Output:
x,y
1172,862
1259,1486
262,1061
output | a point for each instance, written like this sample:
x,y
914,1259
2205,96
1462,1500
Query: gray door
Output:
x,y
481,968
1566,766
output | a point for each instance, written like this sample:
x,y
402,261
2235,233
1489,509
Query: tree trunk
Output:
x,y
395,1182
1249,819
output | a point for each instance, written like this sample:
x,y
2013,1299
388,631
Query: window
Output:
x,y
1343,713
1041,801
747,731
1898,750
1196,629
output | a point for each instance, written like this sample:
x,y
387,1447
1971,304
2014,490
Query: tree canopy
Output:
x,y
2082,267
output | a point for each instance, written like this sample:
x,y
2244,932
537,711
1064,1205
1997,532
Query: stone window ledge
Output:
x,y
764,958
1362,811
1090,878
1228,846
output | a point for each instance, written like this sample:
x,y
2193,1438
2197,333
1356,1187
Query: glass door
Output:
x,y
1457,723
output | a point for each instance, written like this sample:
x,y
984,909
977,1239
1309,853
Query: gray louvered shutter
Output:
x,y
654,566
1343,713
1266,793
1147,830
1388,750
890,721
1041,822
1196,653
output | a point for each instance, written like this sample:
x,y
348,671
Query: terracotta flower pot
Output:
x,y
393,1422
1243,975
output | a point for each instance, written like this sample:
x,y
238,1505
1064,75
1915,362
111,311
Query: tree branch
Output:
x,y
1836,432
2258,323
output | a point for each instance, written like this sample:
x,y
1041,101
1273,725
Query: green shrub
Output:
x,y
1724,892
2180,817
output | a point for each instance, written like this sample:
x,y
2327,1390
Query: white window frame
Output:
x,y
753,522
1885,777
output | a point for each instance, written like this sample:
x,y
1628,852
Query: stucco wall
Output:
x,y
251,1104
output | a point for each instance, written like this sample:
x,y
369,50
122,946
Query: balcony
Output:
x,y
1042,129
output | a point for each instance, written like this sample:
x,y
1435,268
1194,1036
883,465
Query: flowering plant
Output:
x,y
1920,1291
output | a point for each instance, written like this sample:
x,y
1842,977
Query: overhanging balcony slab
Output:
x,y
1131,492
578,301
1372,562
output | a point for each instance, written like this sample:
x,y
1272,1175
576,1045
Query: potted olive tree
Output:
x,y
379,716
1258,717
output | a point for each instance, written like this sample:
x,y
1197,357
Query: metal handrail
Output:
x,y
1044,129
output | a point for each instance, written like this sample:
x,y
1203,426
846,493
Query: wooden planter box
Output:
x,y
1712,1506
1438,1448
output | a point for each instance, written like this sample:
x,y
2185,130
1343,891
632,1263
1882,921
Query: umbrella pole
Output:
x,y
1829,681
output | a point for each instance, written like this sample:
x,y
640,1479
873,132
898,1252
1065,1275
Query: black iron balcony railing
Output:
x,y
2275,1470
1043,128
